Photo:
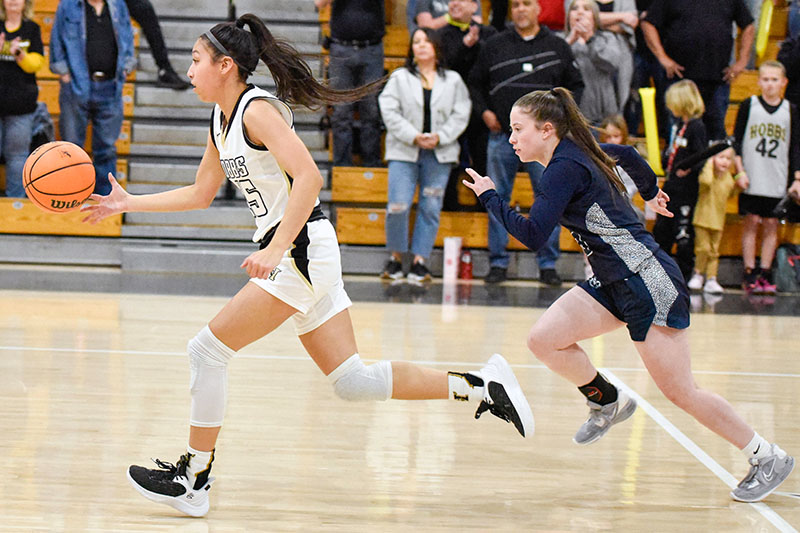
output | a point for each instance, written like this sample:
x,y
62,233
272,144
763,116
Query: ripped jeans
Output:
x,y
404,176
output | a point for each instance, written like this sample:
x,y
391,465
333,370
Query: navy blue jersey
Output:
x,y
576,194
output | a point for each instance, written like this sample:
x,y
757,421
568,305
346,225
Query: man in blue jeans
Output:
x,y
356,58
91,49
534,58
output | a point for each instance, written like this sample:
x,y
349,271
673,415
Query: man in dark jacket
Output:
x,y
525,57
693,40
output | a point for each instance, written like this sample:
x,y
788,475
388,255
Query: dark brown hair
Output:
x,y
293,77
436,42
557,107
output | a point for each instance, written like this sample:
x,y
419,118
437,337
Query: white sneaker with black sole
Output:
x,y
170,485
503,397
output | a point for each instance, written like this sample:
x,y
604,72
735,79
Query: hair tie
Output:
x,y
224,51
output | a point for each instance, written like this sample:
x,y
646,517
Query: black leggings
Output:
x,y
678,230
142,12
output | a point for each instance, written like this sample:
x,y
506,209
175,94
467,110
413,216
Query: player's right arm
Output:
x,y
198,195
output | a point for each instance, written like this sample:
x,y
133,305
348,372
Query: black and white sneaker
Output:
x,y
503,397
418,273
393,270
170,485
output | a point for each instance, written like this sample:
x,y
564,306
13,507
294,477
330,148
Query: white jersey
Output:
x,y
765,149
252,168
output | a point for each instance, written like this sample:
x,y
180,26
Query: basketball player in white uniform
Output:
x,y
295,273
768,144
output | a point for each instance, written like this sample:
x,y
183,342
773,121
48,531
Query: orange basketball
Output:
x,y
58,176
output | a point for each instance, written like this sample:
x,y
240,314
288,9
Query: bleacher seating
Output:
x,y
358,200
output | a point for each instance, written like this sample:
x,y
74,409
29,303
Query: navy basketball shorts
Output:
x,y
656,294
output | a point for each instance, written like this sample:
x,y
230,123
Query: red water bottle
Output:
x,y
465,265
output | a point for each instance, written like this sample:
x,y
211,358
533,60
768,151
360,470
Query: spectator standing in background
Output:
x,y
461,40
356,58
767,134
688,137
20,57
533,58
433,14
598,53
91,50
716,186
645,67
693,40
552,14
621,18
142,12
789,56
425,108
794,19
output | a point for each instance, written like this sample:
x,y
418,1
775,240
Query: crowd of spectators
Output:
x,y
602,50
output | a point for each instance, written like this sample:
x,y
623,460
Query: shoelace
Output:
x,y
486,406
174,470
750,475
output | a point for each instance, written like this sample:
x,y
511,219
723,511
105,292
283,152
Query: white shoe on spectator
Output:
x,y
696,283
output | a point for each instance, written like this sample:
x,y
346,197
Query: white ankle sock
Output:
x,y
200,462
466,387
758,447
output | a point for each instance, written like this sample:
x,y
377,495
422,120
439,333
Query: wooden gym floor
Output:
x,y
92,382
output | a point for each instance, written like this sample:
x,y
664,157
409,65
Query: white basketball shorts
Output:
x,y
309,277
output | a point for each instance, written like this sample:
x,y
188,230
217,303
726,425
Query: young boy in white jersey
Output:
x,y
768,144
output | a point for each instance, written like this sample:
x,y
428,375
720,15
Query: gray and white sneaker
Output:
x,y
503,397
602,417
764,476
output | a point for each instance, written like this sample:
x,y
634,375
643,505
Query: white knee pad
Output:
x,y
356,382
208,359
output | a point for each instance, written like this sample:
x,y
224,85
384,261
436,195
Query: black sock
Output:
x,y
766,273
599,391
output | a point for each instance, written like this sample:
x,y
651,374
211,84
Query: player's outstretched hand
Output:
x,y
104,206
480,184
659,204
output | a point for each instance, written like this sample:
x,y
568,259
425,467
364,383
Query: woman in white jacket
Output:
x,y
425,108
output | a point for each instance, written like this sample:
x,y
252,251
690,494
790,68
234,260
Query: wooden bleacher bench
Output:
x,y
49,89
359,186
21,216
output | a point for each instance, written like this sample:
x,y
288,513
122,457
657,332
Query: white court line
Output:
x,y
670,428
766,511
420,362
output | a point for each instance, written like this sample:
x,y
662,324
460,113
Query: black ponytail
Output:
x,y
293,77
558,107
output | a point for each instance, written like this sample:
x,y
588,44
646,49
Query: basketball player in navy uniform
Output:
x,y
297,270
635,283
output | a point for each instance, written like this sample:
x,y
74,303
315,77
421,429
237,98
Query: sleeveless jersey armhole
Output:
x,y
211,127
285,111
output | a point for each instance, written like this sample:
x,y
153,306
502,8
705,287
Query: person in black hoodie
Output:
x,y
525,57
